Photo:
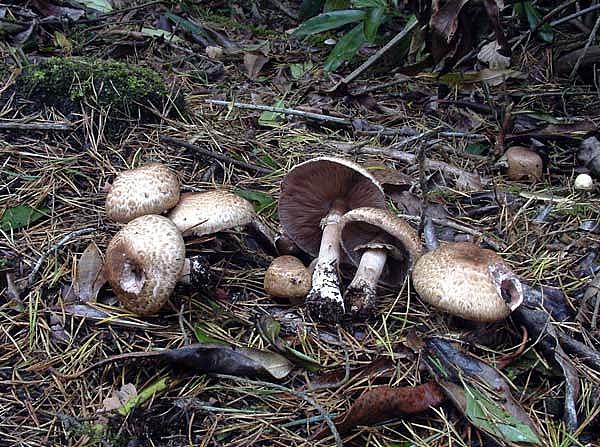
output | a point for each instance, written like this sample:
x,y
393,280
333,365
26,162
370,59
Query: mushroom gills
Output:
x,y
508,285
132,278
325,301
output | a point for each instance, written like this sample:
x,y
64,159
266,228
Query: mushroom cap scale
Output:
x,y
467,281
142,268
310,190
373,228
209,212
287,277
149,189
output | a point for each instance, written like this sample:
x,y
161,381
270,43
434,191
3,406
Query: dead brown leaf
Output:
x,y
253,64
119,397
89,277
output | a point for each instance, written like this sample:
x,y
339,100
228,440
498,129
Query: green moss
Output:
x,y
71,82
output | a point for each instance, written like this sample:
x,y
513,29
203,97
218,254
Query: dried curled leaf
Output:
x,y
89,276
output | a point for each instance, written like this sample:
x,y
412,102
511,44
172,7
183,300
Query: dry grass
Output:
x,y
66,173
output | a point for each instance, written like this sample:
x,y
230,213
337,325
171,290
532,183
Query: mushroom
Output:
x,y
384,247
583,182
143,262
314,196
467,281
522,163
149,189
288,278
201,213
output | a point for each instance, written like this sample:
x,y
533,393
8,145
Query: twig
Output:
x,y
35,126
370,61
299,394
311,115
216,155
473,180
458,227
591,38
575,15
54,247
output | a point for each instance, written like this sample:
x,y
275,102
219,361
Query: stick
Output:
x,y
370,61
311,115
575,15
35,126
300,394
473,180
216,155
591,38
54,247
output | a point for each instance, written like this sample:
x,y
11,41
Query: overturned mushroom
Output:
x,y
202,213
146,259
384,247
149,189
467,281
522,163
288,278
314,196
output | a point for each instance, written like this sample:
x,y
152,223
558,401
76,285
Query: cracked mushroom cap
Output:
x,y
142,268
310,189
149,189
467,281
210,212
287,277
364,228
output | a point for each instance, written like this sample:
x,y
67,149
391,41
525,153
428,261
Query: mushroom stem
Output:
x,y
431,240
195,272
360,294
325,301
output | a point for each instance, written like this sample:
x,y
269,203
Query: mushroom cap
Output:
x,y
523,163
467,281
149,189
143,262
364,228
310,189
209,212
287,277
583,182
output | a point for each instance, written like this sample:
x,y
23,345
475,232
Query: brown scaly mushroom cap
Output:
x,y
149,189
144,260
201,213
314,196
287,277
384,247
467,281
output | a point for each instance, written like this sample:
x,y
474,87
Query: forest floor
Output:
x,y
55,165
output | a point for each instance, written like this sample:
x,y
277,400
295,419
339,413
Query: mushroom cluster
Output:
x,y
334,210
146,258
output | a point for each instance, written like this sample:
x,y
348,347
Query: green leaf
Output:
x,y
145,395
476,148
545,32
310,8
153,32
21,216
489,416
260,200
299,70
186,25
203,336
98,5
328,21
272,119
369,4
374,18
346,48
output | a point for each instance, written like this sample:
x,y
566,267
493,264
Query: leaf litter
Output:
x,y
406,96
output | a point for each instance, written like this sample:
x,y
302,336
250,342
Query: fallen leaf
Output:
x,y
589,155
89,277
201,358
20,216
48,9
444,25
253,64
119,397
489,54
383,403
480,392
135,400
98,5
